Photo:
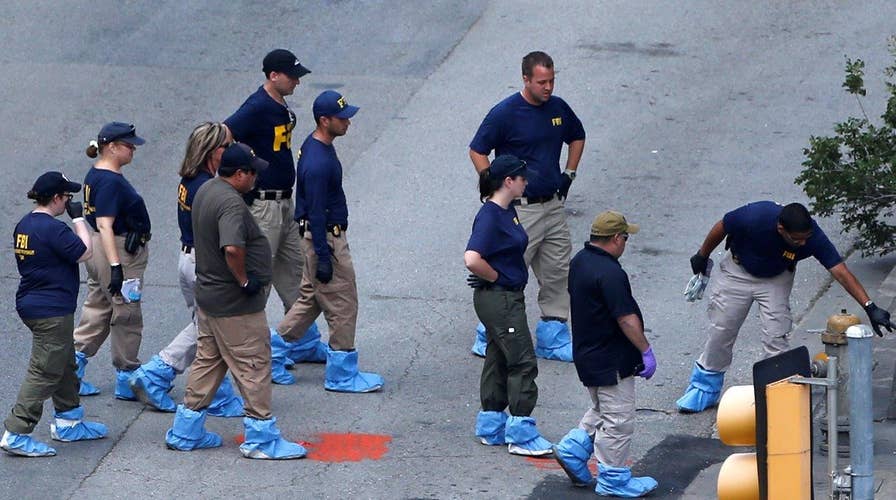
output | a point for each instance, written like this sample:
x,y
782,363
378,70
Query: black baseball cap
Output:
x,y
53,183
283,61
239,156
506,166
120,132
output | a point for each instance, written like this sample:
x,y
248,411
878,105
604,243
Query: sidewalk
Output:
x,y
878,275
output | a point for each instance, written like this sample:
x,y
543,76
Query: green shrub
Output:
x,y
853,173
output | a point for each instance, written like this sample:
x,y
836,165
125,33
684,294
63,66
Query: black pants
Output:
x,y
510,368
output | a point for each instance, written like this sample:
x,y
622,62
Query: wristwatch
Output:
x,y
570,173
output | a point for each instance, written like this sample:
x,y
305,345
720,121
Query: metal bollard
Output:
x,y
861,432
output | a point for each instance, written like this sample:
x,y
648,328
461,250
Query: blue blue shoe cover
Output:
x,y
342,375
151,382
490,427
226,403
24,445
573,453
553,340
263,441
309,348
188,431
704,391
481,341
523,438
122,388
68,426
280,360
618,482
86,388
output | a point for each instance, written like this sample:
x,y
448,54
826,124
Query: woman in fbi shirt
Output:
x,y
495,257
47,254
117,213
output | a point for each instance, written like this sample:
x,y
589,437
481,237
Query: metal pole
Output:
x,y
861,431
832,424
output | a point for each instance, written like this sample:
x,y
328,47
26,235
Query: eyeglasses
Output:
x,y
624,236
67,195
226,145
127,145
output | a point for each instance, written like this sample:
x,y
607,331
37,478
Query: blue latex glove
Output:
x,y
649,361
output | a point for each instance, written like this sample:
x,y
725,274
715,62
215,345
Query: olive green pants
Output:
x,y
51,373
509,371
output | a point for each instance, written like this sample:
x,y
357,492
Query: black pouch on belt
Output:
x,y
132,242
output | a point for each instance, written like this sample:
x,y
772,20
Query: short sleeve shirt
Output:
x,y
266,126
532,133
46,253
221,218
753,237
320,197
600,294
109,194
186,192
501,240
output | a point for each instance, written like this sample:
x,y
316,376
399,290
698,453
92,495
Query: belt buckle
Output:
x,y
336,230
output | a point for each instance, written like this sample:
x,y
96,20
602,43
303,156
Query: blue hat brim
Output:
x,y
348,112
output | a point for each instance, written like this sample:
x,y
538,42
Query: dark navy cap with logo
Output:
x,y
284,61
332,103
53,183
239,156
119,132
506,166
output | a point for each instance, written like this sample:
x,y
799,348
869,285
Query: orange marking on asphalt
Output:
x,y
348,447
549,463
544,463
239,439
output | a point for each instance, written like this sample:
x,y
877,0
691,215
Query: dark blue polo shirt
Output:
x,y
600,294
47,254
321,199
109,194
753,237
501,240
532,133
186,191
266,126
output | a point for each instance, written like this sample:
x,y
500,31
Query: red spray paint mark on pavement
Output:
x,y
348,447
550,464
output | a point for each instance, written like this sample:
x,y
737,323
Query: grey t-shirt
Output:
x,y
221,218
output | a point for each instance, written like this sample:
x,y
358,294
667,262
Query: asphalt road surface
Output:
x,y
691,109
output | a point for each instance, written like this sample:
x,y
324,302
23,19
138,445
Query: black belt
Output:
x,y
274,194
500,288
186,248
533,199
336,229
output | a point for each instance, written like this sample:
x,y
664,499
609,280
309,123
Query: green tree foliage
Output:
x,y
853,172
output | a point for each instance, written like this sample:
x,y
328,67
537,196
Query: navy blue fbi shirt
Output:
x,y
47,254
532,133
109,194
320,198
186,191
600,294
501,240
753,238
266,126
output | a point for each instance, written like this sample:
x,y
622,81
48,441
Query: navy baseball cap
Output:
x,y
53,183
283,61
506,166
121,132
239,156
332,103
